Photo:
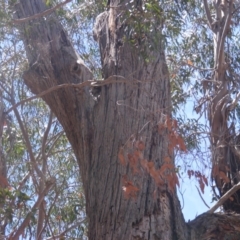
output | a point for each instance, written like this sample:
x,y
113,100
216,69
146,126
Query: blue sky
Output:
x,y
191,202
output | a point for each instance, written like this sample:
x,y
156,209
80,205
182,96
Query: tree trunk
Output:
x,y
224,142
134,99
3,168
124,114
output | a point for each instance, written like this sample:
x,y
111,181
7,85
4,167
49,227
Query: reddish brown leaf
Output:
x,y
166,166
215,171
224,177
172,181
129,189
189,62
144,164
141,145
175,124
3,182
205,180
170,147
227,168
154,174
168,123
201,184
181,144
137,154
121,157
133,161
150,165
198,174
161,127
167,159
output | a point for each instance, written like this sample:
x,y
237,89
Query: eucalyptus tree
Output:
x,y
120,127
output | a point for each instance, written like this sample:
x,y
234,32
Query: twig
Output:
x,y
90,83
41,14
80,85
27,142
23,181
198,68
25,222
41,212
214,192
182,193
50,148
209,18
235,10
65,231
47,216
224,33
234,102
202,197
225,197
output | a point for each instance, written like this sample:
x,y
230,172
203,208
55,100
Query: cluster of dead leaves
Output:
x,y
166,174
222,175
170,127
202,180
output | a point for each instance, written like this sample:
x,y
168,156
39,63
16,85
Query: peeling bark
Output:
x,y
225,158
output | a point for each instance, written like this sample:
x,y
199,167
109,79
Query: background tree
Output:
x,y
37,196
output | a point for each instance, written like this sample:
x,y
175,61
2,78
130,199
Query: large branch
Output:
x,y
41,14
224,198
226,28
209,18
56,68
215,226
89,83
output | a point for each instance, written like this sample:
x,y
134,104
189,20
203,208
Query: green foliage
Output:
x,y
49,2
139,22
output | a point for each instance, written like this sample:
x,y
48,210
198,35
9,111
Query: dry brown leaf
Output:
x,y
121,157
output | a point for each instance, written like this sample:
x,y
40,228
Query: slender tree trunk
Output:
x,y
134,98
224,143
3,167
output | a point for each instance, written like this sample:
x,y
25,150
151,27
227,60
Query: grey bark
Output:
x,y
3,165
123,114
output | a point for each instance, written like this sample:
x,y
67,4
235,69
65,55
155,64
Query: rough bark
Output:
x,y
215,226
122,115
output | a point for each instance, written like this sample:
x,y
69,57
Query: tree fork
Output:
x,y
97,130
